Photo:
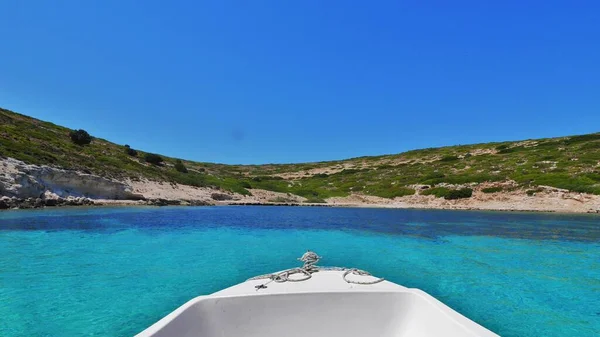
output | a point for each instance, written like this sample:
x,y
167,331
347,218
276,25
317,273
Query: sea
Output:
x,y
104,271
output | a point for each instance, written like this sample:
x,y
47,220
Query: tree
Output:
x,y
180,167
130,151
153,158
80,137
459,194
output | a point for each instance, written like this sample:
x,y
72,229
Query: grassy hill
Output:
x,y
571,163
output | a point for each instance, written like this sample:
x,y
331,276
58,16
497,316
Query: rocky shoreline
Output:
x,y
20,203
15,203
30,203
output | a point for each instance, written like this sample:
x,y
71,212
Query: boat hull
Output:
x,y
324,305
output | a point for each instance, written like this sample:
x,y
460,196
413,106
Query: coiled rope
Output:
x,y
310,260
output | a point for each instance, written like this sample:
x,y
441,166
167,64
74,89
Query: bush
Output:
x,y
80,137
459,194
531,193
582,138
492,189
349,171
575,183
153,158
511,149
591,146
264,178
307,193
130,151
180,167
449,158
439,192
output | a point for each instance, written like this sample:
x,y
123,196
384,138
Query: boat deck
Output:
x,y
321,282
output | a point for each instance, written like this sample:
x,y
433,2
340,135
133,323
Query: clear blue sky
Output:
x,y
295,81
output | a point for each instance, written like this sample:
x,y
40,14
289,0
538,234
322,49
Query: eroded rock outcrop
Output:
x,y
54,186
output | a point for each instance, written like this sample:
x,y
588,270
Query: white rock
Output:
x,y
18,179
48,195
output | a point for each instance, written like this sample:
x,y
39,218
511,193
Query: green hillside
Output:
x,y
571,163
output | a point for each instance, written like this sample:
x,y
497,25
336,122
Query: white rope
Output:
x,y
361,273
310,260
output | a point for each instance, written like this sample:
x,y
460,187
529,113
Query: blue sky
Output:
x,y
295,81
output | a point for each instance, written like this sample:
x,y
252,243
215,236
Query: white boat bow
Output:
x,y
315,301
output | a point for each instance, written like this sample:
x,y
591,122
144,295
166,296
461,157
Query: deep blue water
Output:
x,y
115,271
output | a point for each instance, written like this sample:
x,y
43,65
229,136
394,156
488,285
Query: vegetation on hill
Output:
x,y
153,159
571,163
80,137
130,151
180,167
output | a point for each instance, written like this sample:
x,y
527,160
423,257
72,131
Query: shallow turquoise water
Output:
x,y
115,271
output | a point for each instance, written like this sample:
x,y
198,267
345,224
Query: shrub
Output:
x,y
492,189
575,183
459,194
531,193
449,158
180,167
245,184
439,192
153,158
264,178
349,171
582,138
130,151
591,146
511,149
80,137
307,193
434,175
433,178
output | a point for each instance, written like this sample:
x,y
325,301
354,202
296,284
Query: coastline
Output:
x,y
184,203
24,186
550,200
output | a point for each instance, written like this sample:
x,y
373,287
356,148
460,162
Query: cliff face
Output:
x,y
21,180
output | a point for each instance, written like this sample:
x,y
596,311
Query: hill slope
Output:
x,y
571,163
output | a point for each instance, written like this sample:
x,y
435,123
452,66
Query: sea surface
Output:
x,y
115,271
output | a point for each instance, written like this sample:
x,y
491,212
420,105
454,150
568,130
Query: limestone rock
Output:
x,y
21,180
221,196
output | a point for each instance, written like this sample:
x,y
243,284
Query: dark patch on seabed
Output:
x,y
430,224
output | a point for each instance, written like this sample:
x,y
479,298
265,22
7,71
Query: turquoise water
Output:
x,y
115,271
